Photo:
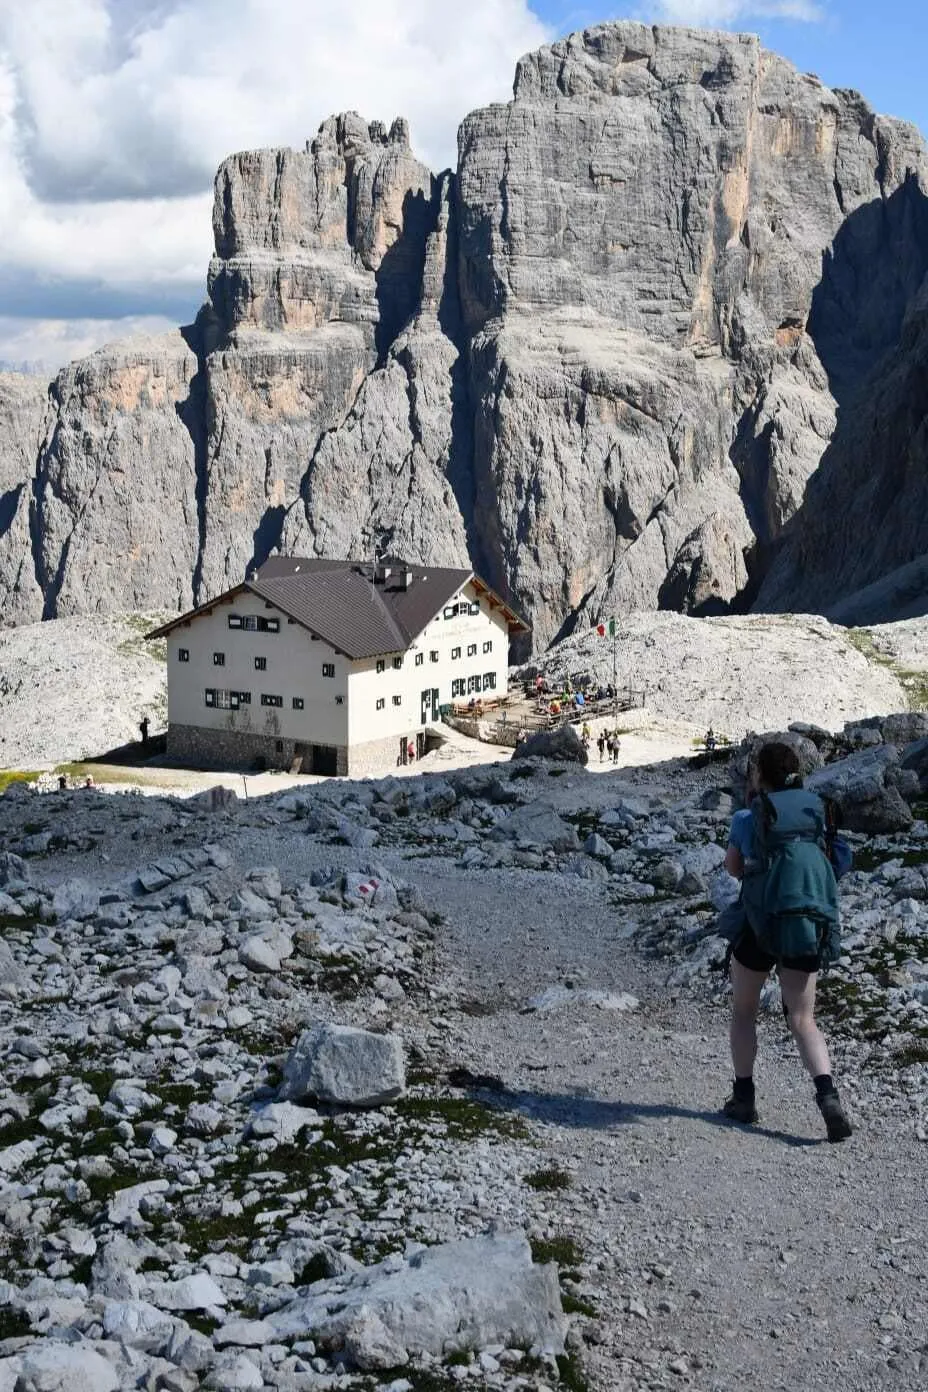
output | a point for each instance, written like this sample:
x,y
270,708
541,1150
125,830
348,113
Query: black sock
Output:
x,y
744,1089
824,1084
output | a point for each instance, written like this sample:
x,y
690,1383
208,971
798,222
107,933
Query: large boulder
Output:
x,y
863,789
537,824
915,759
563,744
444,1300
337,1063
744,761
60,1367
905,728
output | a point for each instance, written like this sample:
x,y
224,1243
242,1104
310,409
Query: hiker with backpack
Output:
x,y
787,918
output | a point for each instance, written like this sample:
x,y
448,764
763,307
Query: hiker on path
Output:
x,y
601,746
776,847
610,747
616,746
143,731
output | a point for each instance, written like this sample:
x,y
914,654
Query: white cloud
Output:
x,y
44,345
728,12
115,113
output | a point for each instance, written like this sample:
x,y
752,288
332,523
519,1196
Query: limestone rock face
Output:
x,y
601,360
23,403
862,537
642,235
116,508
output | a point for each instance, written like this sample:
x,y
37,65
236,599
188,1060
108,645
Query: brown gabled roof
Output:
x,y
340,602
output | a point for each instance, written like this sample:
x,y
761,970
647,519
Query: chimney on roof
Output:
x,y
382,572
400,578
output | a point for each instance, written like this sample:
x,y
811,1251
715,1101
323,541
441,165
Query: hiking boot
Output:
x,y
836,1122
740,1109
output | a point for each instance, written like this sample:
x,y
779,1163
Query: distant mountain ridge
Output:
x,y
600,361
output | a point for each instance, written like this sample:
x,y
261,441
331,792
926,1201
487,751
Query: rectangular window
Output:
x,y
381,703
298,703
268,625
271,700
471,649
221,700
397,700
235,620
489,681
219,659
260,664
397,663
250,622
488,646
244,698
433,656
420,658
473,685
455,653
451,611
473,609
339,700
458,687
381,665
328,669
183,654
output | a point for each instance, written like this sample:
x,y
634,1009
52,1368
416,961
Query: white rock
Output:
x,y
257,955
239,1017
245,1334
137,1323
162,1140
15,1156
337,1063
283,1121
75,898
54,1367
197,1292
125,1202
236,1376
464,1295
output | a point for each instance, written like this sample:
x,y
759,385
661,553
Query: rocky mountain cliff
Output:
x,y
602,359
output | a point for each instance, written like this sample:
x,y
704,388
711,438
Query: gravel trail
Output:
x,y
714,1256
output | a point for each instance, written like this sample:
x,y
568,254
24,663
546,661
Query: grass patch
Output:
x,y
574,1305
908,1055
463,1118
14,1324
10,776
549,1179
564,1251
570,1374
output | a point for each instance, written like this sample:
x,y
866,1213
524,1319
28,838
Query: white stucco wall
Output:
x,y
294,668
442,636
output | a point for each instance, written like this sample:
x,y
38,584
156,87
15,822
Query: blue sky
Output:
x,y
114,115
881,49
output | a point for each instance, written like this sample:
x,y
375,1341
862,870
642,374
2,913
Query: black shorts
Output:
x,y
748,951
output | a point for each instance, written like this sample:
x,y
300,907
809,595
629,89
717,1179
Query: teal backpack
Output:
x,y
789,887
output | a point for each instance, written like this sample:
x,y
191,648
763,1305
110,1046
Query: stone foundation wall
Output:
x,y
224,749
489,731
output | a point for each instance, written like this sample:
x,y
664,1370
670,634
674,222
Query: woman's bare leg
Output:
x,y
798,990
746,987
